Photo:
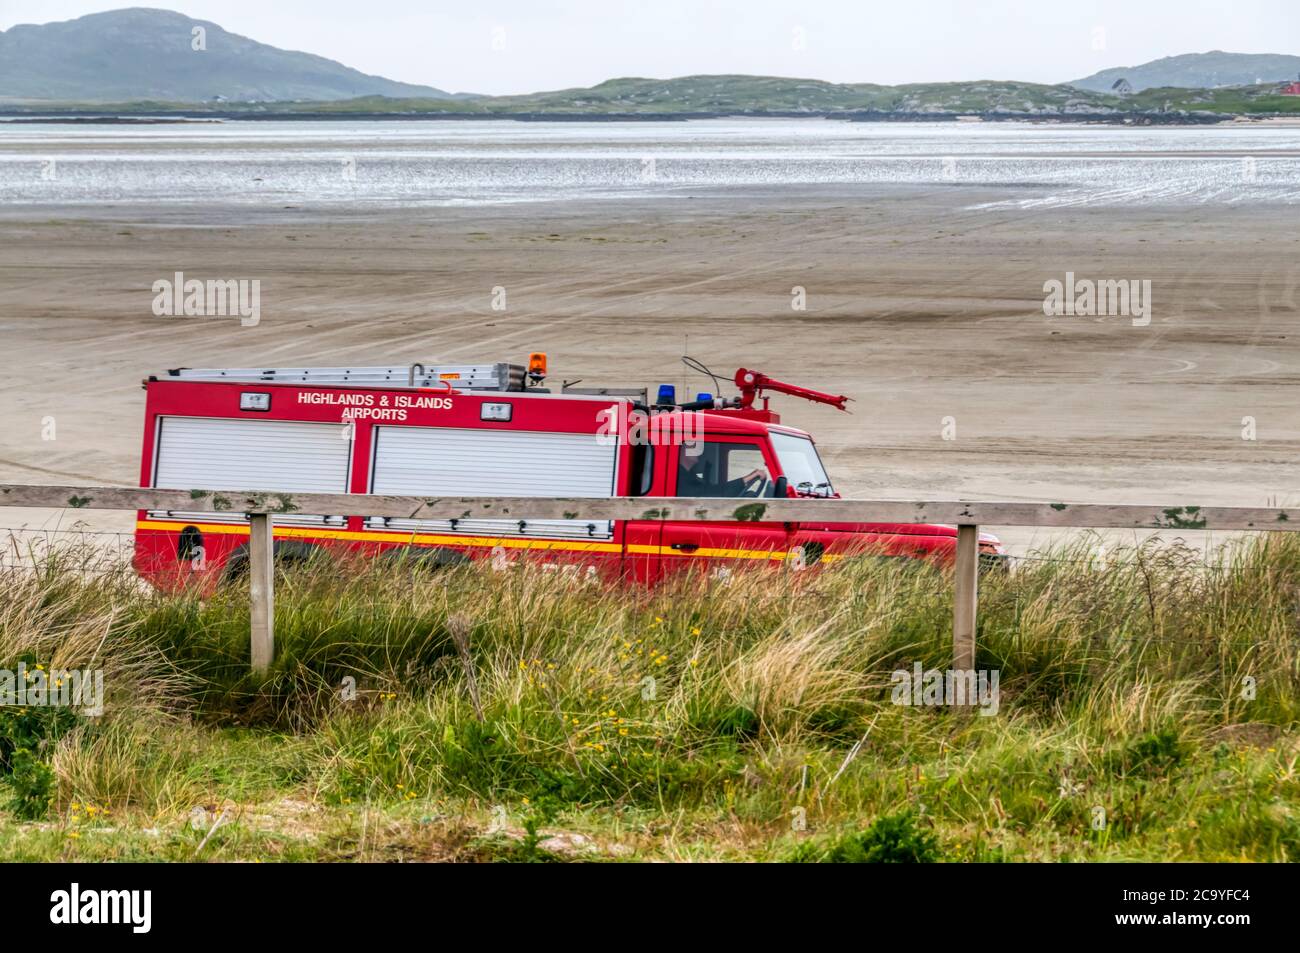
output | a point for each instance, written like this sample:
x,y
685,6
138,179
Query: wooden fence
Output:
x,y
968,516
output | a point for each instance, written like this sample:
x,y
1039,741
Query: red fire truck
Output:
x,y
489,430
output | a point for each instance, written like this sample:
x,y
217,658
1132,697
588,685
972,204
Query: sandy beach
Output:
x,y
922,302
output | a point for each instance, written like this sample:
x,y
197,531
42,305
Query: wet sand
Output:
x,y
919,305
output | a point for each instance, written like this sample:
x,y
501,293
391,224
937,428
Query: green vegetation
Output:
x,y
758,95
891,839
1148,710
1233,100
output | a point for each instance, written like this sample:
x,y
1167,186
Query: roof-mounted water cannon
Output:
x,y
752,384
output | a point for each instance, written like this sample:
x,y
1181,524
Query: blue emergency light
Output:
x,y
667,394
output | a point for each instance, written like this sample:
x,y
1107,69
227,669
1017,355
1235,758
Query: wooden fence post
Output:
x,y
261,590
965,585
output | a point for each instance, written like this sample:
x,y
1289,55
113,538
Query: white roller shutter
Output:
x,y
438,461
435,461
251,454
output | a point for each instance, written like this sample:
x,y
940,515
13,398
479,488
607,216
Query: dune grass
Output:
x,y
1148,709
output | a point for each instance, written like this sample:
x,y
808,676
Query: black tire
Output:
x,y
996,564
421,557
287,552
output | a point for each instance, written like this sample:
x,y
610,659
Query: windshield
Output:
x,y
801,465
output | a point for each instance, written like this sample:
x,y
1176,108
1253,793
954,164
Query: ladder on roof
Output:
x,y
486,377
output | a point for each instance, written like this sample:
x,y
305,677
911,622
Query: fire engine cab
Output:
x,y
489,430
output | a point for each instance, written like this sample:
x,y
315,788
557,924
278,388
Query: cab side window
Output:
x,y
643,468
715,468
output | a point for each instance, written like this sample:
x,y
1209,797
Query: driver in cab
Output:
x,y
697,476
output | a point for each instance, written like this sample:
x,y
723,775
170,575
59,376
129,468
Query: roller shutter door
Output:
x,y
415,461
244,454
428,461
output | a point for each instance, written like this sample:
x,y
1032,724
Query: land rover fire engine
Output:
x,y
489,430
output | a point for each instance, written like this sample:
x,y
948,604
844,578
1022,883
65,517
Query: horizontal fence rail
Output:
x,y
968,515
705,509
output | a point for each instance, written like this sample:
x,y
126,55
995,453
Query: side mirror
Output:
x,y
781,488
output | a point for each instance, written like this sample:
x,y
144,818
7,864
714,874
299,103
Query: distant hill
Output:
x,y
1198,71
141,61
146,54
740,94
712,96
731,95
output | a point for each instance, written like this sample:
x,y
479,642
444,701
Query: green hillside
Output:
x,y
726,95
1198,71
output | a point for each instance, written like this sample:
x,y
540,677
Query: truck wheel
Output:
x,y
913,564
420,557
995,564
286,553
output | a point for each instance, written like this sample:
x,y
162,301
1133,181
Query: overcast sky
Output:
x,y
515,46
